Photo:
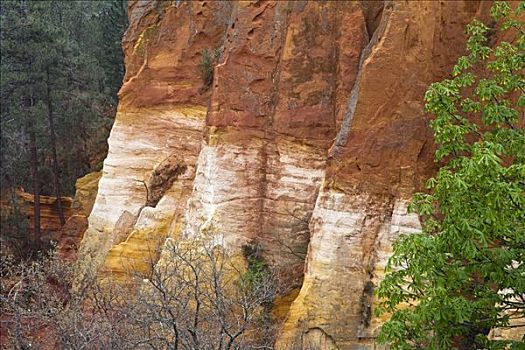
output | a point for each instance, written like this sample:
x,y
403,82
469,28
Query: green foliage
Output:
x,y
78,44
113,21
464,275
14,238
257,267
258,278
207,65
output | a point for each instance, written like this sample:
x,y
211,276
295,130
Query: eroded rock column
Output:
x,y
274,113
381,155
155,141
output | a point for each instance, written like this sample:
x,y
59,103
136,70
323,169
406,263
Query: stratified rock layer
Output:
x,y
272,118
49,214
381,154
156,139
308,142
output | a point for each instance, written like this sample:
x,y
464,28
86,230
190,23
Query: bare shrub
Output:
x,y
197,297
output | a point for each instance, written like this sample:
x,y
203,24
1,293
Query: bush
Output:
x,y
207,65
197,297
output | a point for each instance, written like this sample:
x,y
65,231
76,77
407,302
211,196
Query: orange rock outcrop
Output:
x,y
49,218
76,210
308,141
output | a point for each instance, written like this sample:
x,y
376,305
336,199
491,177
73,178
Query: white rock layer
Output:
x,y
139,141
351,240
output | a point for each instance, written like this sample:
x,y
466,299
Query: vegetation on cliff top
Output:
x,y
464,275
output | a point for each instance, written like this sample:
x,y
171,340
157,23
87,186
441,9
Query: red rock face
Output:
x,y
308,142
273,115
414,45
163,47
381,155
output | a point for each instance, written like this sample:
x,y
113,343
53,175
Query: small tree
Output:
x,y
200,297
464,275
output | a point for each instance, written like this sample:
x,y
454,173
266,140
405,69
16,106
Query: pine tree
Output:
x,y
58,87
23,34
114,21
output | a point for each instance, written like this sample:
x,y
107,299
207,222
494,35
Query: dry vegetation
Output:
x,y
199,298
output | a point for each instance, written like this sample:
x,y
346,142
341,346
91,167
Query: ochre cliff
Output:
x,y
308,142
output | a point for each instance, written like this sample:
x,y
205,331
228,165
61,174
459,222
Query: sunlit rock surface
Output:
x,y
156,139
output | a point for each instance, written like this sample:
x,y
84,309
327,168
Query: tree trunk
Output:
x,y
36,183
52,138
30,128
